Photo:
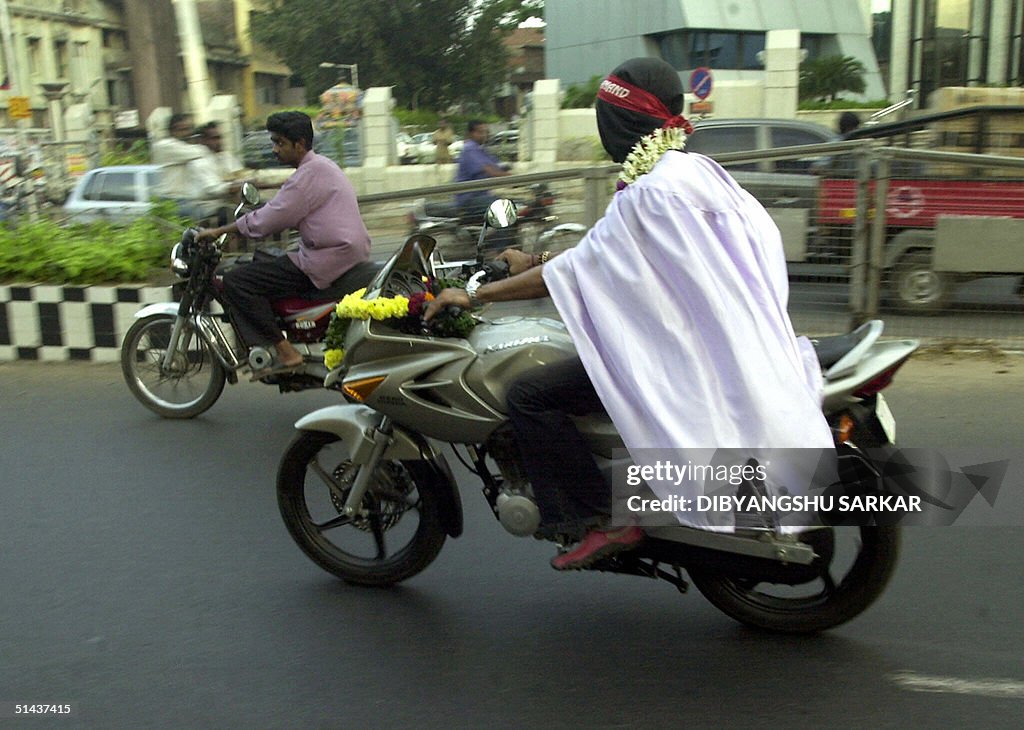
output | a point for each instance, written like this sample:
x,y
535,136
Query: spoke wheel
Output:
x,y
395,534
189,387
853,568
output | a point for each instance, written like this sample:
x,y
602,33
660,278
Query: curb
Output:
x,y
58,323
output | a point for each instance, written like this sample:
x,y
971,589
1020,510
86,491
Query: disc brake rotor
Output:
x,y
390,478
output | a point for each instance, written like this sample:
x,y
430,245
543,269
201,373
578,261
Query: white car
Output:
x,y
406,149
115,194
426,150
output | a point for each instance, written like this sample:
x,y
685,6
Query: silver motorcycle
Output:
x,y
366,490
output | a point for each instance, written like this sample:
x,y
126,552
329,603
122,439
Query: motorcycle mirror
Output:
x,y
501,213
250,193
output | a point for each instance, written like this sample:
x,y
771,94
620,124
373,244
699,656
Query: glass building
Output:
x,y
937,43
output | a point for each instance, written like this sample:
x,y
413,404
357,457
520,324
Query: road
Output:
x,y
147,578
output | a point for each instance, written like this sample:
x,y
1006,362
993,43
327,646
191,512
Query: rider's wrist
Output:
x,y
534,260
545,256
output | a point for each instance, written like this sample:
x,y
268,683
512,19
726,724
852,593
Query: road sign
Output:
x,y
700,82
18,108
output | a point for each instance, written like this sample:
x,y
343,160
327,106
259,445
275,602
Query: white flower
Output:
x,y
648,151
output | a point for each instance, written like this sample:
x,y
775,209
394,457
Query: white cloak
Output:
x,y
676,301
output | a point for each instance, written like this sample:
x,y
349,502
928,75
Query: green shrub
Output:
x,y
97,253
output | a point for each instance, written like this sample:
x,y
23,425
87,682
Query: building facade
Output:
x,y
941,43
587,38
124,56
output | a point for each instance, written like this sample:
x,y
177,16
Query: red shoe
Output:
x,y
596,545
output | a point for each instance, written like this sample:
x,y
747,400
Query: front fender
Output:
x,y
352,422
149,310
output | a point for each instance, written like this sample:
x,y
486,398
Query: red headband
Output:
x,y
625,95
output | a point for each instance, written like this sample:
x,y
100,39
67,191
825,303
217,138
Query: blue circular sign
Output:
x,y
700,82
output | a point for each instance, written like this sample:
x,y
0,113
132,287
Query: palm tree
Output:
x,y
824,78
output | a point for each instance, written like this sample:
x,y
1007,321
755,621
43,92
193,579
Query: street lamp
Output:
x,y
352,67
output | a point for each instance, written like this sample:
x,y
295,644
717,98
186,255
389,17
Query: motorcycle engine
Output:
x,y
518,514
516,510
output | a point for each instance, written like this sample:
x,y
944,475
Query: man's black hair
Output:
x,y
177,119
848,121
293,126
473,124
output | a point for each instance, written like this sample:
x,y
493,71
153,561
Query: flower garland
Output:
x,y
648,151
402,313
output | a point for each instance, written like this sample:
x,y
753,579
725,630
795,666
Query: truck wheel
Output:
x,y
917,288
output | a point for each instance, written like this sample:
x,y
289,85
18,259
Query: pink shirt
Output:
x,y
320,201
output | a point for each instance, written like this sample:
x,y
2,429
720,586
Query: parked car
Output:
x,y
117,194
258,152
406,149
788,189
505,145
712,137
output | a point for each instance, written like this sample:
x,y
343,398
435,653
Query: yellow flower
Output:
x,y
333,358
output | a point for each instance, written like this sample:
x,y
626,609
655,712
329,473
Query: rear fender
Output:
x,y
352,423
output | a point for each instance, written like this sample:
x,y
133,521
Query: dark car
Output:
x,y
505,145
712,137
788,189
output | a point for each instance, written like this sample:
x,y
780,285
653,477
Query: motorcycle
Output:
x,y
177,356
459,232
367,494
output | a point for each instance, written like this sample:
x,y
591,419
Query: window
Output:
x,y
116,187
713,141
34,59
689,49
786,137
943,36
716,140
60,55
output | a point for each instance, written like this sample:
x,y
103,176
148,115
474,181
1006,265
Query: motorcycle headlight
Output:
x,y
178,263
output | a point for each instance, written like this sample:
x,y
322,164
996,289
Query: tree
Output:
x,y
432,52
581,96
824,78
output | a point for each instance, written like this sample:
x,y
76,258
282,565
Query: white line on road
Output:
x,y
1005,688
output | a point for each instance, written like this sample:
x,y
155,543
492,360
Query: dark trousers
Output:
x,y
249,289
567,485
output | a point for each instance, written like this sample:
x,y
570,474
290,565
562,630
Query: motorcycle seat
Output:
x,y
830,350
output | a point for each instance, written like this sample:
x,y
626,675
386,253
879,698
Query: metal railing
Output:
x,y
847,273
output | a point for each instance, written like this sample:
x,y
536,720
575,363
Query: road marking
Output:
x,y
1004,688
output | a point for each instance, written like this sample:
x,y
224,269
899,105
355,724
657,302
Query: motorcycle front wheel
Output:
x,y
855,564
395,535
189,387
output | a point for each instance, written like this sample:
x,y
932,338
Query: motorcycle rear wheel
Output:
x,y
194,381
357,548
826,602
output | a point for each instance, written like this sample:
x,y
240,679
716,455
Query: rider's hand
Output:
x,y
206,234
447,298
518,261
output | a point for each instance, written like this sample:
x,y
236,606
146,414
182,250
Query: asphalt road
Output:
x,y
146,577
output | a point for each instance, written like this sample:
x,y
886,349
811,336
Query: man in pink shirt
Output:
x,y
334,248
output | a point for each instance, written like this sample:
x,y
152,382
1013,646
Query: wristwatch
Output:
x,y
471,288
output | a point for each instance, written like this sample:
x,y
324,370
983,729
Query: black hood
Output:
x,y
621,129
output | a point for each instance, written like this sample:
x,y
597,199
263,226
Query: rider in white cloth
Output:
x,y
676,302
